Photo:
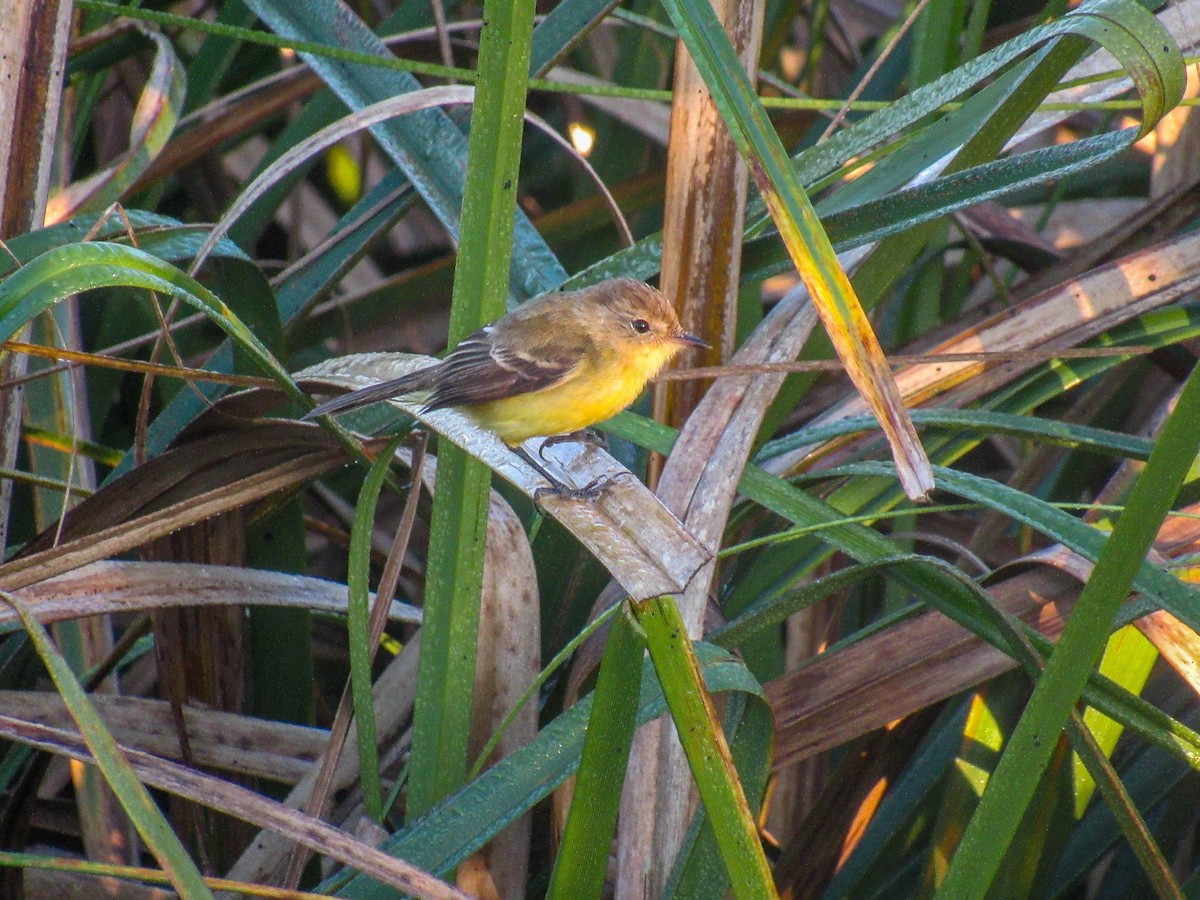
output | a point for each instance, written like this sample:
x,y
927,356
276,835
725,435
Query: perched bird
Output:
x,y
552,367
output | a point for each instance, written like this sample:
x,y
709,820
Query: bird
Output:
x,y
551,368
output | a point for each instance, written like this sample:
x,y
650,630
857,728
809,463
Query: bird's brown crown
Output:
x,y
636,312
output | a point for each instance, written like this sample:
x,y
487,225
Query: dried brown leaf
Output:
x,y
234,743
884,677
247,806
124,586
1063,317
181,487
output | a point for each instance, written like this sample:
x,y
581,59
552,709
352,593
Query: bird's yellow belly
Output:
x,y
563,408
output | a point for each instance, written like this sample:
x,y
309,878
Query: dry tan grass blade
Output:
x,y
243,745
880,679
248,806
124,586
186,485
1064,316
508,661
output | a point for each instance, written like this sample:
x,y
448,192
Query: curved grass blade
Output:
x,y
359,631
406,104
299,288
1152,59
124,586
1166,590
158,110
76,268
298,155
428,146
103,228
801,231
980,421
779,608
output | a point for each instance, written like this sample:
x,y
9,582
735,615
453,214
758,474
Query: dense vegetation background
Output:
x,y
362,661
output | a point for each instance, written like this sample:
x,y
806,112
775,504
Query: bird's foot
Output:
x,y
583,436
591,491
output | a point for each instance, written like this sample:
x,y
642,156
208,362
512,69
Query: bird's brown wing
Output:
x,y
484,366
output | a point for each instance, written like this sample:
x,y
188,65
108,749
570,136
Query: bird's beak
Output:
x,y
691,340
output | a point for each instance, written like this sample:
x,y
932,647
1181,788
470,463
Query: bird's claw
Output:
x,y
583,436
591,491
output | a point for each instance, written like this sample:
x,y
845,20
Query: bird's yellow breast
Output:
x,y
599,391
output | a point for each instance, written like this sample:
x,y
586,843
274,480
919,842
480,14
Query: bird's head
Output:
x,y
637,316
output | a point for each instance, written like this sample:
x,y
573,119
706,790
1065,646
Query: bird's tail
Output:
x,y
412,383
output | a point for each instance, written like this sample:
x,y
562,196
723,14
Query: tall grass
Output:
x,y
274,200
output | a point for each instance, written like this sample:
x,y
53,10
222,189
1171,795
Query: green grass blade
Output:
x,y
700,873
1150,777
215,56
442,714
565,26
1128,660
703,741
981,421
281,666
359,630
512,787
135,799
1078,650
582,861
75,268
1120,803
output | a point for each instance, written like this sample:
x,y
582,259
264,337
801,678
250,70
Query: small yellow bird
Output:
x,y
552,367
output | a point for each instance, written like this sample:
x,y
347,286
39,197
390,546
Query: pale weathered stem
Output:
x,y
33,46
702,247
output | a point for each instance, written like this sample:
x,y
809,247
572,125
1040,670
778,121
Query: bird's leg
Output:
x,y
583,436
589,491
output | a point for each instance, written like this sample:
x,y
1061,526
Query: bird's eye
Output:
x,y
641,326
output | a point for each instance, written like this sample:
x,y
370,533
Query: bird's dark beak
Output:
x,y
692,341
